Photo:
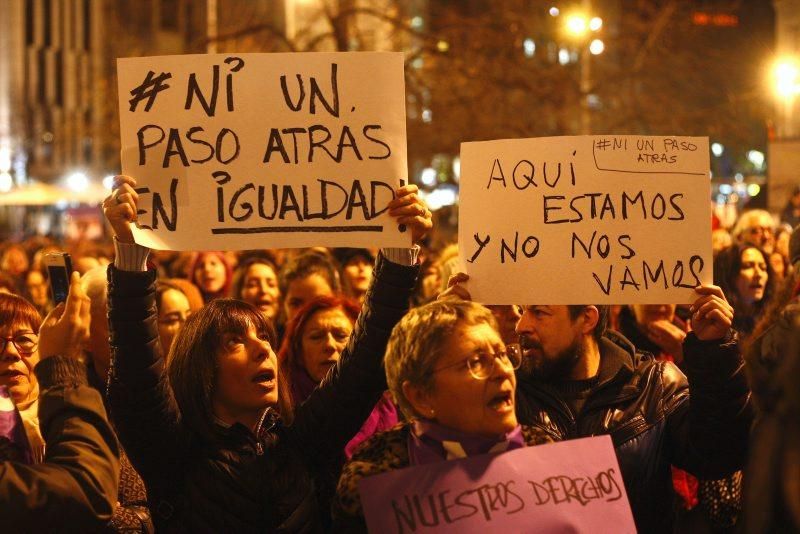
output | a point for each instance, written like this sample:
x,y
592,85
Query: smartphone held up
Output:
x,y
59,269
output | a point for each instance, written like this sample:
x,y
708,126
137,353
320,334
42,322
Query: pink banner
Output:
x,y
571,486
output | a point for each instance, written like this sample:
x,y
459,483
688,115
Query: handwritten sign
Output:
x,y
241,151
571,486
586,220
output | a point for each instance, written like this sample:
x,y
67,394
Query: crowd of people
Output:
x,y
251,391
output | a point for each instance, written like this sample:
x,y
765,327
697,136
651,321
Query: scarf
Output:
x,y
430,442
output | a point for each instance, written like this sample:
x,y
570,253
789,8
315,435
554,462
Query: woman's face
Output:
x,y
323,339
172,313
37,288
752,279
464,403
650,313
247,377
17,361
210,273
260,288
357,273
15,261
304,290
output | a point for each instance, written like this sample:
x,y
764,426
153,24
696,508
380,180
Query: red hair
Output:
x,y
226,288
16,310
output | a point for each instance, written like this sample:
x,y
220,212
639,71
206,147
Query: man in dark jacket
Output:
x,y
581,381
75,488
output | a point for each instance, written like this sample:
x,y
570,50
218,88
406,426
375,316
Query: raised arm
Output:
x,y
141,402
75,488
708,433
336,410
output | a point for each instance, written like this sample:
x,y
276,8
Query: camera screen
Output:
x,y
59,282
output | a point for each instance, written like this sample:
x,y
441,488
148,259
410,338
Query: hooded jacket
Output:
x,y
643,404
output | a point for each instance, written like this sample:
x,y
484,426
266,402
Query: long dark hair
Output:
x,y
193,360
727,266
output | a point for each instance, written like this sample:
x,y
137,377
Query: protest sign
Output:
x,y
571,486
586,220
243,151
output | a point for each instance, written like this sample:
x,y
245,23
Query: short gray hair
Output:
x,y
416,343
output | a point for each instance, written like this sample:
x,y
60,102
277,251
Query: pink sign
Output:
x,y
571,486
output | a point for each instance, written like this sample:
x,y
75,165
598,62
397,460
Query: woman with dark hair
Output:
x,y
745,276
315,340
212,274
304,278
355,271
212,433
256,281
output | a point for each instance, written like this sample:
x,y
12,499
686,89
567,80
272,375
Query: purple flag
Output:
x,y
14,443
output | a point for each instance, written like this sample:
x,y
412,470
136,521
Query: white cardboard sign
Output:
x,y
243,151
605,219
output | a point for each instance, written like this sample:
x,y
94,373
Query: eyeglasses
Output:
x,y
760,230
481,364
24,343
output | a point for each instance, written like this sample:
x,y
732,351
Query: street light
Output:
x,y
578,27
786,77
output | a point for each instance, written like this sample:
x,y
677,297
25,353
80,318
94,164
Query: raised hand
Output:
x,y
66,328
667,336
712,316
120,207
412,211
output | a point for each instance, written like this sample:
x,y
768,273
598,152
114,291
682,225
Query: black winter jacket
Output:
x,y
644,405
262,482
75,488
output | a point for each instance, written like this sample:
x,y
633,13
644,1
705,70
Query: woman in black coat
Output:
x,y
208,434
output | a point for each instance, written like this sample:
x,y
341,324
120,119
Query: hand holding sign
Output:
x,y
120,207
712,316
410,210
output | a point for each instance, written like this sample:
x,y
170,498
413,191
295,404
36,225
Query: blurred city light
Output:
x,y
529,46
787,77
5,158
6,183
595,24
717,149
428,176
725,189
457,169
753,189
597,47
443,46
756,157
563,56
576,25
554,12
77,182
739,177
108,181
417,22
427,115
440,197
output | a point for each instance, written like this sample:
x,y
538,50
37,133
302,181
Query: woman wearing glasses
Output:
x,y
19,339
453,377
